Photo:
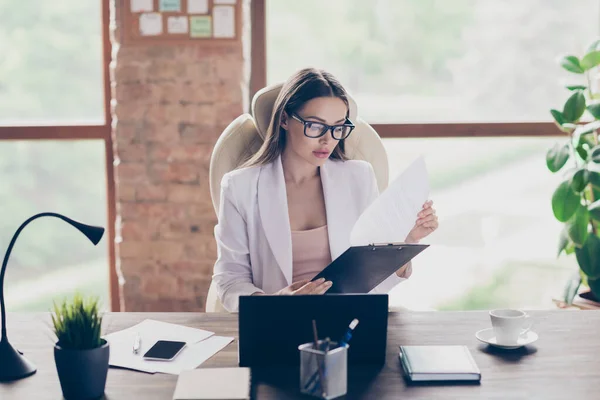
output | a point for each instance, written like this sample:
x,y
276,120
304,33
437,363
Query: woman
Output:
x,y
290,209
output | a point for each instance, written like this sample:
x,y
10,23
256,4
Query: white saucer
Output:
x,y
487,336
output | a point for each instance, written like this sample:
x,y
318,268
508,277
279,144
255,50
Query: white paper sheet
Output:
x,y
177,25
197,7
121,344
151,24
194,355
225,1
394,213
224,21
142,5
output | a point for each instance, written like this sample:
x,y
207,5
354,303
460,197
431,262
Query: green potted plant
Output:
x,y
80,354
576,200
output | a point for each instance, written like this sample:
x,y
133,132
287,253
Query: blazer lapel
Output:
x,y
273,210
339,220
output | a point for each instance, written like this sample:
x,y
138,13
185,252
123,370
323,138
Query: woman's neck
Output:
x,y
295,169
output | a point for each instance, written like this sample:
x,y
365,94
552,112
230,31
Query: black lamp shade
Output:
x,y
94,233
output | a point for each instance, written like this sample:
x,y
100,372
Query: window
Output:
x,y
55,150
52,259
465,70
497,241
424,61
51,69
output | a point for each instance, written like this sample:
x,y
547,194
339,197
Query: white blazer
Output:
x,y
253,234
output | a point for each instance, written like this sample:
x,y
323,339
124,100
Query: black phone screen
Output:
x,y
164,349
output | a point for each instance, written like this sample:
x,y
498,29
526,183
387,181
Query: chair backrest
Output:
x,y
244,136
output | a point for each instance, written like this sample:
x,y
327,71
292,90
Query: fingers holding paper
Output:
x,y
426,223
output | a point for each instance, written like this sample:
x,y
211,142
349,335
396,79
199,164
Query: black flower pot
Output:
x,y
82,373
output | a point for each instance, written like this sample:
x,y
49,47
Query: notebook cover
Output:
x,y
439,363
213,384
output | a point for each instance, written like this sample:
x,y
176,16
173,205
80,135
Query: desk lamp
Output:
x,y
13,365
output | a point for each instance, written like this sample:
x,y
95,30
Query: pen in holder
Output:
x,y
332,363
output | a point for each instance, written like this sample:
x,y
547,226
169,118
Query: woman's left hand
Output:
x,y
426,223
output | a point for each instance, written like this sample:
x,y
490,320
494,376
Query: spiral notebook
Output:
x,y
213,384
438,363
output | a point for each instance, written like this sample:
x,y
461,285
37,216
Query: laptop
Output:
x,y
272,327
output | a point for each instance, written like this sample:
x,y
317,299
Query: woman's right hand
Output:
x,y
319,286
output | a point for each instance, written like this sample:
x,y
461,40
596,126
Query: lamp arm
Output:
x,y
5,262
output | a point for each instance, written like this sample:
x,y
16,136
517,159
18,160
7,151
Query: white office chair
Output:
x,y
245,135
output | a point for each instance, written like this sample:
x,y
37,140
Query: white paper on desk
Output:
x,y
394,213
194,355
121,343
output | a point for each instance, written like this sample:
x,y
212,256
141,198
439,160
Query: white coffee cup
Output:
x,y
509,325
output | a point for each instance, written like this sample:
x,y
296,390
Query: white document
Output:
x,y
197,7
394,213
151,24
225,1
177,25
194,355
224,21
121,344
142,5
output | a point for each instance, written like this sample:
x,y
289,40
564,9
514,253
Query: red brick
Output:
x,y
132,153
161,133
128,73
161,285
174,172
137,92
167,251
128,173
178,152
129,111
125,193
134,249
151,193
135,231
186,194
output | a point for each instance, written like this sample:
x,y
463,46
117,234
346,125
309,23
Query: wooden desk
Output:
x,y
563,363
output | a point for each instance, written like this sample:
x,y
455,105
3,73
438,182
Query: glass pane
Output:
x,y
497,240
51,259
435,60
51,64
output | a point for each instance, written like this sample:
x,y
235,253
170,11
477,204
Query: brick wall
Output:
x,y
169,105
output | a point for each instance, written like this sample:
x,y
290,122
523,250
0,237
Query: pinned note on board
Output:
x,y
200,26
151,24
170,5
197,7
224,21
177,25
142,5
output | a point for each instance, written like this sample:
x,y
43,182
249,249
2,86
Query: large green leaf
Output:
x,y
596,154
578,226
594,285
565,202
558,117
576,87
588,257
594,210
580,180
574,107
594,109
590,60
557,157
582,151
594,178
571,64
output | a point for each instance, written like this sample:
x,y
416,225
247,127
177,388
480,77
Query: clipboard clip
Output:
x,y
387,244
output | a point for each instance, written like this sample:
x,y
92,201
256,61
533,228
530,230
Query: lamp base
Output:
x,y
13,365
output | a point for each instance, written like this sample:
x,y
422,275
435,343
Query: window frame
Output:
x,y
258,80
87,132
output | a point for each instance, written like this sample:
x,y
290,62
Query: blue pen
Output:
x,y
343,342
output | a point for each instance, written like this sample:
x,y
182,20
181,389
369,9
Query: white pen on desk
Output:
x,y
137,344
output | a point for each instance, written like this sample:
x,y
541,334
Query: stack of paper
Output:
x,y
201,345
393,214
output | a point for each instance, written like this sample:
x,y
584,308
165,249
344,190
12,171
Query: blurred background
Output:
x,y
405,61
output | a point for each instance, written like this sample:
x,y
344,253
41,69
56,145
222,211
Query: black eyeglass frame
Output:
x,y
331,128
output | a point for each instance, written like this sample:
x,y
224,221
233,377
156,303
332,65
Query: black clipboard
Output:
x,y
361,268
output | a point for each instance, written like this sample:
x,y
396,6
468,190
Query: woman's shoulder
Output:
x,y
239,176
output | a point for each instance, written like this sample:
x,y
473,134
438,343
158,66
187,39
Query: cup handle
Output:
x,y
530,320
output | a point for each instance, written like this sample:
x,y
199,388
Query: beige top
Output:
x,y
310,252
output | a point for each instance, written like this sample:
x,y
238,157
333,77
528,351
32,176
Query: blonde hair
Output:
x,y
304,85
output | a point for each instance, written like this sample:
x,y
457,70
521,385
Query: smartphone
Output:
x,y
164,350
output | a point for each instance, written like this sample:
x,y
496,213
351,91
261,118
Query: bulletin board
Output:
x,y
181,21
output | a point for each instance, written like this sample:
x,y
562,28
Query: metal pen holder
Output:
x,y
323,374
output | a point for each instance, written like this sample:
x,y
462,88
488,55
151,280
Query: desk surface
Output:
x,y
563,363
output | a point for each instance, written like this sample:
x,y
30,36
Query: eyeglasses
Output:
x,y
317,129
